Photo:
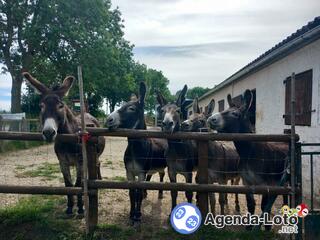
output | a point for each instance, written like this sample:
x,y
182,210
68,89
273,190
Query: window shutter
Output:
x,y
221,105
303,91
237,100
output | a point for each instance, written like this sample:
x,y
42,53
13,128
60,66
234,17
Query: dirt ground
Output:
x,y
22,168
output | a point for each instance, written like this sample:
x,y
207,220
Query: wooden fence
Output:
x,y
202,187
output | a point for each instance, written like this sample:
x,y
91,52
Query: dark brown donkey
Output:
x,y
143,156
181,154
223,159
56,118
261,163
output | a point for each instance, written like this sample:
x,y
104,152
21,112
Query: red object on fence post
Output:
x,y
203,176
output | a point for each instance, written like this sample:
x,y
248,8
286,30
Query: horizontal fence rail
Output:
x,y
200,136
27,136
40,190
100,184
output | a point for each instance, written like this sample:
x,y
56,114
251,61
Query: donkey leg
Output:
x,y
174,193
99,176
222,197
139,195
251,204
236,182
161,175
285,199
266,205
132,193
145,194
189,194
79,184
212,199
65,169
264,202
237,203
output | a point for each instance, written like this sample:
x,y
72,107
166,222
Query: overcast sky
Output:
x,y
202,42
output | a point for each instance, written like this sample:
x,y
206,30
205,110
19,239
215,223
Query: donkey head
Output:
x,y
53,110
197,120
130,114
171,112
235,119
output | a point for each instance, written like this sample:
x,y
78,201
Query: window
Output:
x,y
252,109
221,105
303,91
200,109
237,100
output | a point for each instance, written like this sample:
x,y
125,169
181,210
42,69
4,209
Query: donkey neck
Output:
x,y
140,125
244,147
70,125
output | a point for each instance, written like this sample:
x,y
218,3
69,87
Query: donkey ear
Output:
x,y
182,96
196,108
230,102
142,92
38,86
247,99
211,106
160,98
65,87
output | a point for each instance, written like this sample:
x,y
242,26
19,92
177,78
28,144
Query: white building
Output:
x,y
268,75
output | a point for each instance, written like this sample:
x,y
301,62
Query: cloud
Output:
x,y
204,42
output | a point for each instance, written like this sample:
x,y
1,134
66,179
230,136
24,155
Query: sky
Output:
x,y
202,42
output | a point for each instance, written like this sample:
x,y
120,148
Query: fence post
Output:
x,y
203,176
92,175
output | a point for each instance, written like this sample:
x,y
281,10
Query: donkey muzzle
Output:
x,y
49,134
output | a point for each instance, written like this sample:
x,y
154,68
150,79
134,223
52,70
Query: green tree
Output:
x,y
195,92
51,37
155,80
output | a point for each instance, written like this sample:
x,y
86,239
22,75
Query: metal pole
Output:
x,y
293,142
311,179
84,150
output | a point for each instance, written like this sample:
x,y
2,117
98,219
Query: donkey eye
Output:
x,y
131,108
60,106
235,114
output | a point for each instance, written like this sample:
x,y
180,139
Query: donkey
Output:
x,y
56,117
143,156
181,154
223,160
261,163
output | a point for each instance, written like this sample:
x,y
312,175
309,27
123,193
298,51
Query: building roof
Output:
x,y
302,37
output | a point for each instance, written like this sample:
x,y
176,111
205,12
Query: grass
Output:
x,y
47,171
115,232
42,217
116,178
13,145
37,218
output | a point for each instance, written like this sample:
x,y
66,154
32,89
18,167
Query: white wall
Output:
x,y
270,101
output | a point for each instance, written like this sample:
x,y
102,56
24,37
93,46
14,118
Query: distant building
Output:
x,y
269,77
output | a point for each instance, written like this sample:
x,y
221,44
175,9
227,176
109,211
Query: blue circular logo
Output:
x,y
185,218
